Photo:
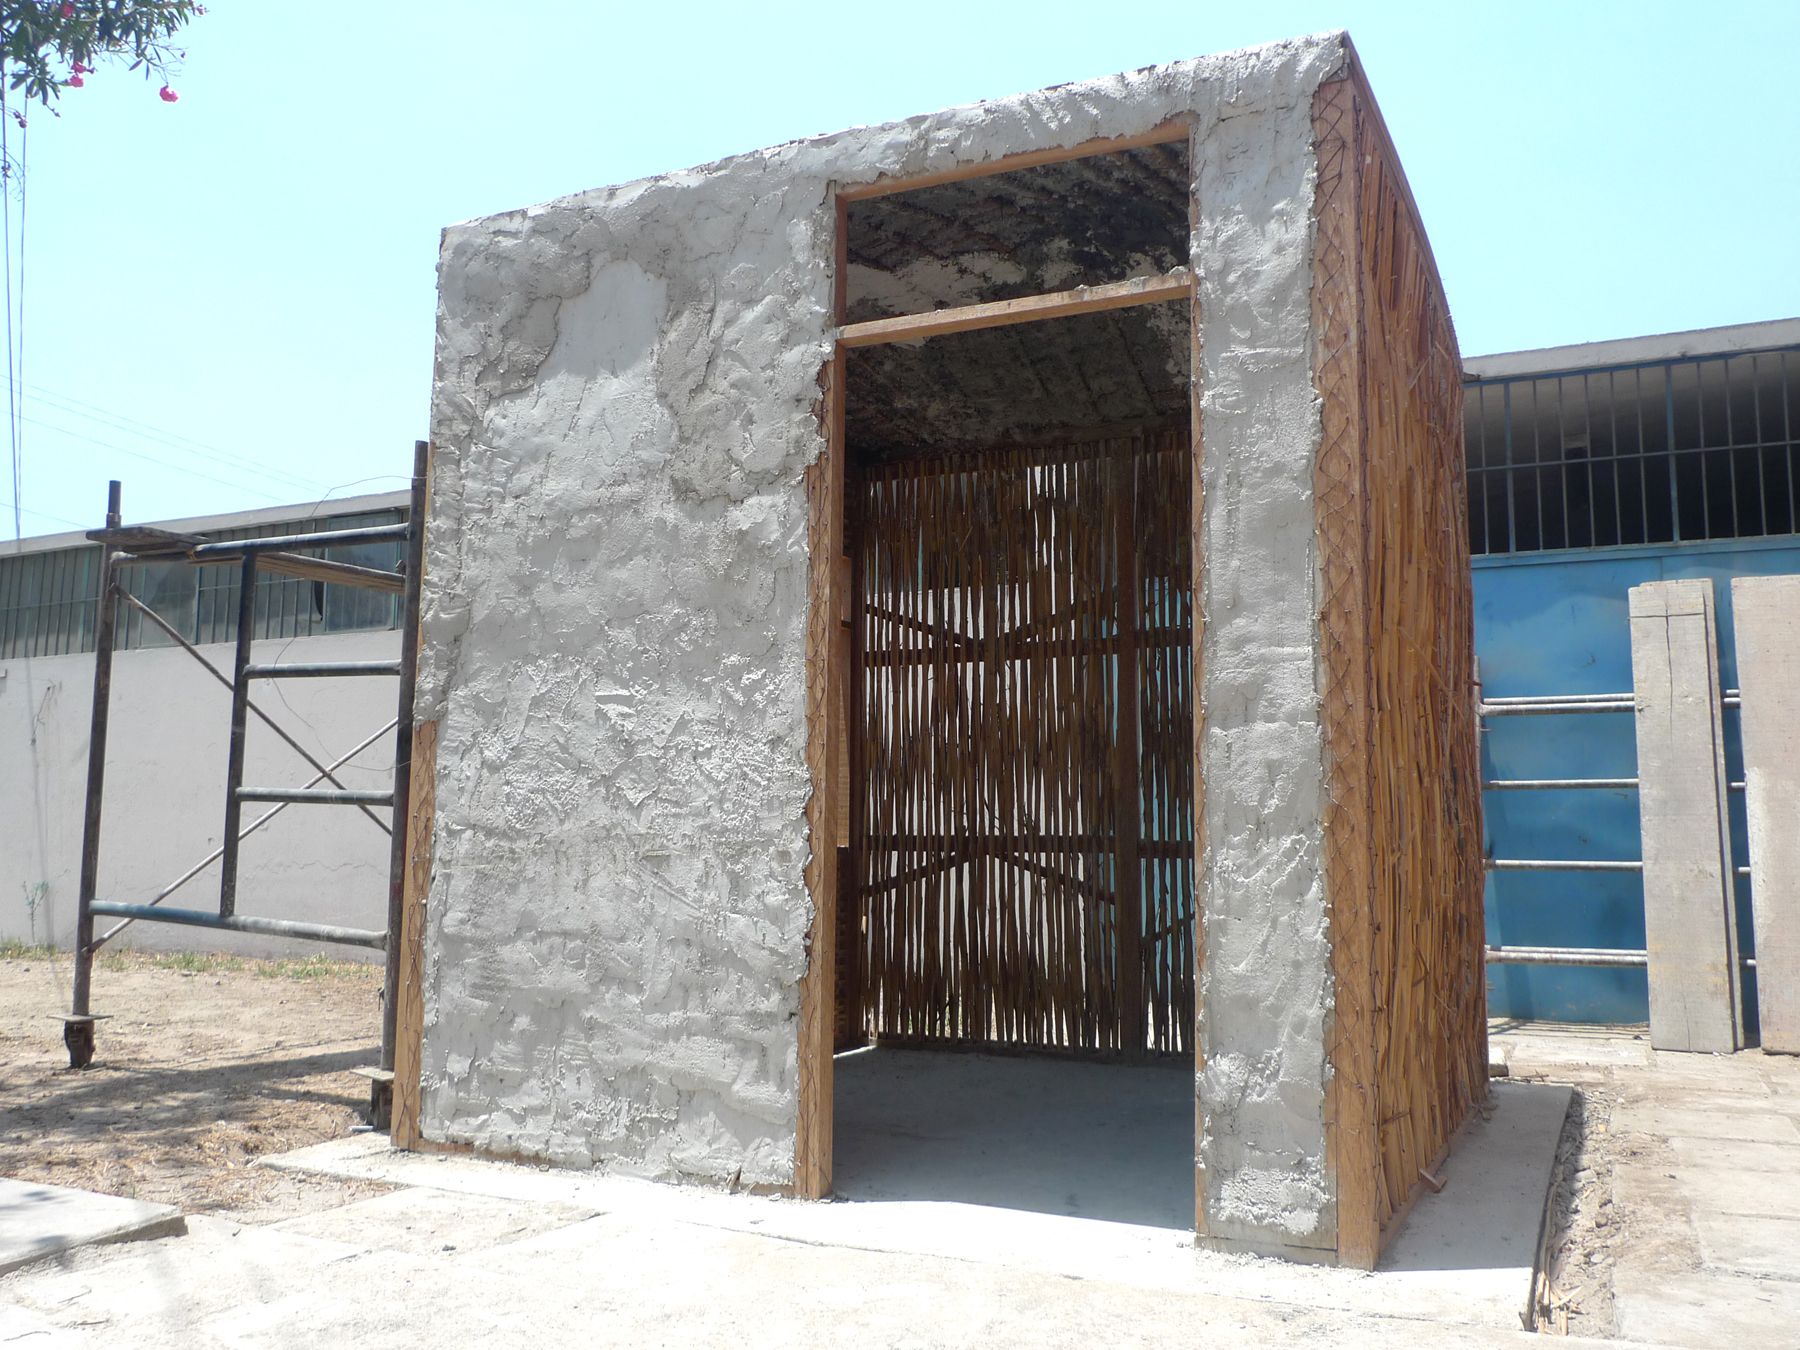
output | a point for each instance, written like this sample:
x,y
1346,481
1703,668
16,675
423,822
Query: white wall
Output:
x,y
165,792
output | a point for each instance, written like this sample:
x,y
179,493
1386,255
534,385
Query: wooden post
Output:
x,y
409,1011
1340,508
1766,611
825,545
399,867
1690,914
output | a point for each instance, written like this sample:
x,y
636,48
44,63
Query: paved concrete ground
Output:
x,y
1691,1166
1689,1217
420,1268
38,1221
989,1201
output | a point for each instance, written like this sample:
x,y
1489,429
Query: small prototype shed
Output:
x,y
997,580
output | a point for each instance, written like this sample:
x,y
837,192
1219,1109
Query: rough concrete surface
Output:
x,y
1681,1219
613,641
38,1221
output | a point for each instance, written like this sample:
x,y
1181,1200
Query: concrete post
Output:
x,y
1767,614
1690,920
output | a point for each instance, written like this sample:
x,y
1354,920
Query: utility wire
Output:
x,y
13,429
117,421
45,515
154,459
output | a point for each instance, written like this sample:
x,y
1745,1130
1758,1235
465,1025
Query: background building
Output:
x,y
1593,469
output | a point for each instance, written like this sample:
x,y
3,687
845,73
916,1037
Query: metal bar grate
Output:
x,y
1699,448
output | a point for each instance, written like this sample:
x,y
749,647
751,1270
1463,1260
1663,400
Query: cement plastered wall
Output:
x,y
614,632
165,794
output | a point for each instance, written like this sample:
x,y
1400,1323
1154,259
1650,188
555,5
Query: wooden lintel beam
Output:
x,y
1175,285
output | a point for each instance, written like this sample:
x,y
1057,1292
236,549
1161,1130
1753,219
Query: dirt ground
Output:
x,y
204,1063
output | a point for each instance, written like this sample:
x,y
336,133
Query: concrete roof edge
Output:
x,y
230,520
1739,337
1338,38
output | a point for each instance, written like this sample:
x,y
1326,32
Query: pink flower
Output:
x,y
76,82
68,10
83,70
168,95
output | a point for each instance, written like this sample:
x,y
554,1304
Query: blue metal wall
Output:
x,y
1555,623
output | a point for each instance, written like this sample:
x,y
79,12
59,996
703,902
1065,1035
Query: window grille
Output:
x,y
47,599
1664,452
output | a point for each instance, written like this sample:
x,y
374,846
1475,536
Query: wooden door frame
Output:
x,y
825,664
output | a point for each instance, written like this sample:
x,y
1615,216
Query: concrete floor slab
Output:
x,y
1099,1141
635,1280
38,1221
1049,1150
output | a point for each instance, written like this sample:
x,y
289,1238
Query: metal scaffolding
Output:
x,y
291,555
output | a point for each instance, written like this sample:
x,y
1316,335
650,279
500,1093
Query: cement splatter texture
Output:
x,y
614,641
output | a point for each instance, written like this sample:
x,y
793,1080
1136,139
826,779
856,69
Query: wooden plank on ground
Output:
x,y
1690,918
1766,612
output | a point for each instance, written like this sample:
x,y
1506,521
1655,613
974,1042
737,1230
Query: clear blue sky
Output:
x,y
229,300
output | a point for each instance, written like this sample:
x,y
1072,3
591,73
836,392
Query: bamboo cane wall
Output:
x,y
1402,849
1021,824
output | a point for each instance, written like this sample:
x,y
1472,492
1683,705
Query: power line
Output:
x,y
117,421
153,459
45,515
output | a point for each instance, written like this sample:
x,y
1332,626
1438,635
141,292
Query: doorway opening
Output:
x,y
1015,883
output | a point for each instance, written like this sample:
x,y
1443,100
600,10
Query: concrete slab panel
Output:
x,y
1690,921
1750,1244
1705,1309
37,1221
1732,1177
1766,611
1708,1122
427,1222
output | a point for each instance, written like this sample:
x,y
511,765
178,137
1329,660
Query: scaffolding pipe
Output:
x,y
318,670
317,796
249,830
78,1027
234,548
262,716
244,923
